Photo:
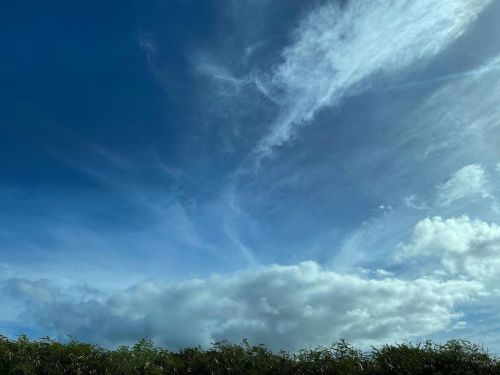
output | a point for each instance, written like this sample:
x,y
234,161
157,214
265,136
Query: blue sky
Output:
x,y
284,171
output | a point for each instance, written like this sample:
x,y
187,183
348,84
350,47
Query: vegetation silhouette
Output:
x,y
47,356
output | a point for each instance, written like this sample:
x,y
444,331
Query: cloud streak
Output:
x,y
468,181
337,49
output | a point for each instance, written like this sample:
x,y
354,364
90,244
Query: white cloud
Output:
x,y
206,65
461,245
282,306
468,181
413,201
336,49
461,113
383,273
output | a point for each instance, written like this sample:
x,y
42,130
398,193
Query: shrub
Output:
x,y
46,356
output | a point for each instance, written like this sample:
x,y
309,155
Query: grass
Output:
x,y
46,356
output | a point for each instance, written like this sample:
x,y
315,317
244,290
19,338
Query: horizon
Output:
x,y
292,173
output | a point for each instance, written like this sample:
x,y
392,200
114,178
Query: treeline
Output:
x,y
46,356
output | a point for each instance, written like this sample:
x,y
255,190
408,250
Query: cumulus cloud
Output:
x,y
32,291
468,181
281,306
461,245
337,48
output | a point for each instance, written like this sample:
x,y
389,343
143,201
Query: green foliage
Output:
x,y
46,356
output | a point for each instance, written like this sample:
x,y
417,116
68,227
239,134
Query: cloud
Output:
x,y
228,84
463,113
468,181
148,47
414,202
147,44
336,49
281,306
33,291
461,246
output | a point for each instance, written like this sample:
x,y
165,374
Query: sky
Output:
x,y
289,172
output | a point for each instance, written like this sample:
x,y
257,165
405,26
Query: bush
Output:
x,y
46,356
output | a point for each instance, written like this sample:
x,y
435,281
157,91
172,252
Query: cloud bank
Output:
x,y
282,306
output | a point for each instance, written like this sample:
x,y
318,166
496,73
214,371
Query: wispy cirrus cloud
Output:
x,y
463,111
469,181
336,49
206,65
414,202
